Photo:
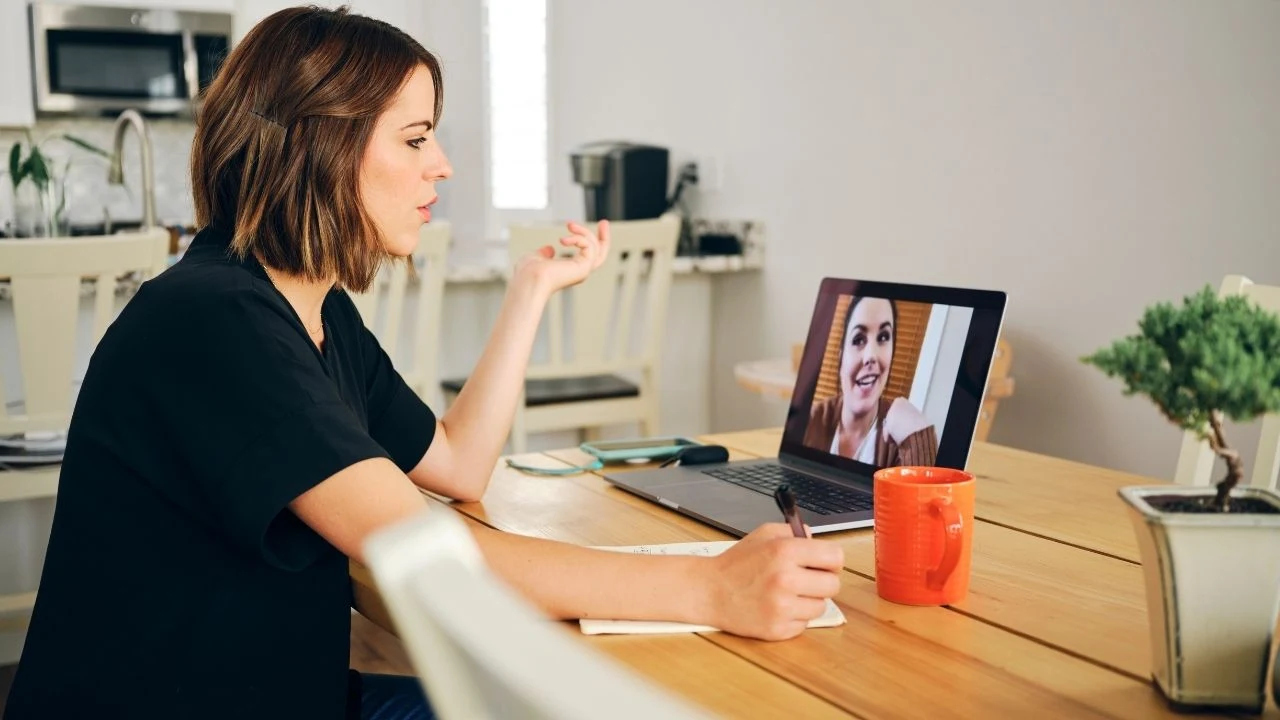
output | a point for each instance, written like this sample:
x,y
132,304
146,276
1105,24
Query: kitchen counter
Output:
x,y
89,229
493,267
473,263
481,272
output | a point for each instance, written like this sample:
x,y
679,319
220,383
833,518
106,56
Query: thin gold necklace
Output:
x,y
319,330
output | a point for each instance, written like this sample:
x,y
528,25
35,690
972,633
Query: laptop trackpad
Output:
x,y
721,500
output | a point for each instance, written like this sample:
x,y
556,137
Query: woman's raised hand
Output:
x,y
552,271
903,420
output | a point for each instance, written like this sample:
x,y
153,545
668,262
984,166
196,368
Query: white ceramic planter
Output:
x,y
1275,679
1213,588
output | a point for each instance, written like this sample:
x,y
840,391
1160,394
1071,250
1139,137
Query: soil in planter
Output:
x,y
1206,504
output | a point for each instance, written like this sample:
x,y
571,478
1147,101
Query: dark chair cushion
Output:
x,y
563,390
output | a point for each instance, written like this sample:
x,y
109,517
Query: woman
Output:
x,y
239,433
858,422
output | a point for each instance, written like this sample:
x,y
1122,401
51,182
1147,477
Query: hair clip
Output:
x,y
268,118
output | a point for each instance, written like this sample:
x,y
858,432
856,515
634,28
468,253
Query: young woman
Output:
x,y
239,432
858,422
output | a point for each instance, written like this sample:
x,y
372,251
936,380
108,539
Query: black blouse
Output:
x,y
178,584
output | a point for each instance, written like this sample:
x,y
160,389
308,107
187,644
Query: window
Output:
x,y
516,107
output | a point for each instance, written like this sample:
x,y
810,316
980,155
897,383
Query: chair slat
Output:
x,y
659,296
593,306
555,331
1196,461
367,304
46,313
104,300
397,283
433,252
631,266
1266,467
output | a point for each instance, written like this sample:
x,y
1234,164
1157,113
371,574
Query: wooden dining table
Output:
x,y
1054,625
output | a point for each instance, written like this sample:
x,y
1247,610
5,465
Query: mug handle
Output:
x,y
953,537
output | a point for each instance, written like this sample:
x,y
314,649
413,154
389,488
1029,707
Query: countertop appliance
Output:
x,y
622,180
101,60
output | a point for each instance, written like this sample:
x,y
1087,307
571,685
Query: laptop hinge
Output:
x,y
826,472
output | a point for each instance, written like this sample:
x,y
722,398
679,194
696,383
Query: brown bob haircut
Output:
x,y
281,134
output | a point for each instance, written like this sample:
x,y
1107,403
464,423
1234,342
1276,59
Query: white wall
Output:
x,y
452,29
1056,150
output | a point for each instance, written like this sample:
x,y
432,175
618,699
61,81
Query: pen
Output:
x,y
787,504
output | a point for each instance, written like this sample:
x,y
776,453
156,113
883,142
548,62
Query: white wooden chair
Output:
x,y
1196,460
579,385
481,650
382,308
44,278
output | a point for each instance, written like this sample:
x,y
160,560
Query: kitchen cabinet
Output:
x,y
214,5
17,104
17,101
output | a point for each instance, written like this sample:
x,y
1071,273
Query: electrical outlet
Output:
x,y
709,172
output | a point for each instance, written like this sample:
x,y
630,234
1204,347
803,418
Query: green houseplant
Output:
x,y
1210,554
30,167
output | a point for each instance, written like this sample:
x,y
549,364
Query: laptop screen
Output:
x,y
892,374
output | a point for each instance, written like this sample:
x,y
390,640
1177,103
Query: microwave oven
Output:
x,y
101,60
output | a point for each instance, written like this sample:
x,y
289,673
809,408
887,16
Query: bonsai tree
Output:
x,y
1209,360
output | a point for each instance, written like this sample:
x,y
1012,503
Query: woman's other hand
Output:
x,y
903,420
769,585
550,271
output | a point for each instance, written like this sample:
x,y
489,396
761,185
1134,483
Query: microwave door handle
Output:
x,y
190,66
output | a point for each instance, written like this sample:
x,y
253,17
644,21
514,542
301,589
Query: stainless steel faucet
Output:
x,y
115,174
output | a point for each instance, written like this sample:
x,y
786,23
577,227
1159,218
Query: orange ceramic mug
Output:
x,y
923,534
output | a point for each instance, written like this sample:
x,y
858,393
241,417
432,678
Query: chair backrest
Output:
x,y
480,650
999,387
1196,459
605,306
383,309
44,279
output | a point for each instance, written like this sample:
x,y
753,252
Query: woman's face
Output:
x,y
402,164
868,353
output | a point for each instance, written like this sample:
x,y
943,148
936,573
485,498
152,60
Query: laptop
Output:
x,y
892,374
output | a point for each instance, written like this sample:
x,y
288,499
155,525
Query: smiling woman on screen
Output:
x,y
858,422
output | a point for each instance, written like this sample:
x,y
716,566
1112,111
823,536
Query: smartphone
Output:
x,y
655,448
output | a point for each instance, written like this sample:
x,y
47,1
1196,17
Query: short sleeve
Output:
x,y
399,420
255,421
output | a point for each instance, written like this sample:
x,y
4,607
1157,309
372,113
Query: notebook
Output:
x,y
831,618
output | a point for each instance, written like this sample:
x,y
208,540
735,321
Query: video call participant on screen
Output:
x,y
858,422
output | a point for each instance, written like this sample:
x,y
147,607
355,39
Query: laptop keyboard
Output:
x,y
823,498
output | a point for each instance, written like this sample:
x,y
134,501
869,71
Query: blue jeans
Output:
x,y
393,697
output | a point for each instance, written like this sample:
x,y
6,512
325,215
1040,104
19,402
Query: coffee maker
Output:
x,y
622,180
